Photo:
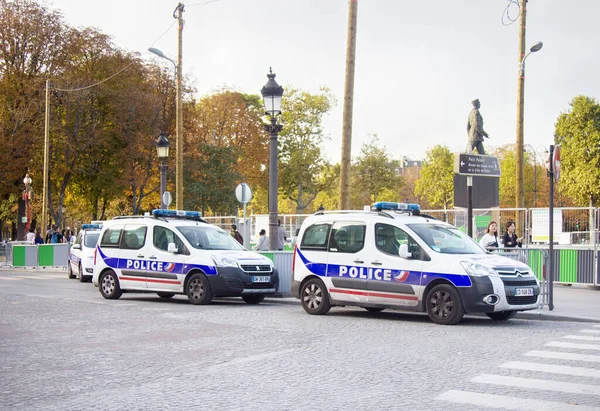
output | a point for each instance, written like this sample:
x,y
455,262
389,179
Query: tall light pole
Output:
x,y
272,93
162,149
177,14
46,161
520,105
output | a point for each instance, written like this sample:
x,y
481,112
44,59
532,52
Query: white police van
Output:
x,y
394,257
177,252
81,253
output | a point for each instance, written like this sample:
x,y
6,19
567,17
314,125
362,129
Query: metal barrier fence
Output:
x,y
23,254
283,263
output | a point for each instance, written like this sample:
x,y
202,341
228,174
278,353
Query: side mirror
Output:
x,y
172,248
76,247
403,251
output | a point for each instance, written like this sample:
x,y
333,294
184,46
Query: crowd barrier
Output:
x,y
23,254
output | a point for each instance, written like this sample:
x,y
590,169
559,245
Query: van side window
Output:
x,y
347,237
111,236
133,237
163,236
388,239
315,237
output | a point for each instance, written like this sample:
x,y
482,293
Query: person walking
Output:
x,y
262,244
510,239
236,234
490,239
30,236
38,237
281,238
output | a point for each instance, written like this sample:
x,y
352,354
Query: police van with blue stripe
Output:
x,y
81,253
178,252
394,257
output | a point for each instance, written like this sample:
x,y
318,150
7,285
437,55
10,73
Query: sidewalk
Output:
x,y
571,303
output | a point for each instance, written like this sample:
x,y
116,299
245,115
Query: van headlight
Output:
x,y
478,269
221,261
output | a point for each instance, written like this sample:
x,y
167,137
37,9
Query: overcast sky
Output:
x,y
418,63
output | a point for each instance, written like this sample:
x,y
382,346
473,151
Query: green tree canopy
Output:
x,y
436,183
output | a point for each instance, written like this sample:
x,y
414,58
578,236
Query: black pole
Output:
x,y
470,206
550,273
163,182
273,129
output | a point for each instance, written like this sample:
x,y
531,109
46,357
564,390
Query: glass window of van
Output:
x,y
347,237
163,236
315,237
111,236
133,237
388,239
91,239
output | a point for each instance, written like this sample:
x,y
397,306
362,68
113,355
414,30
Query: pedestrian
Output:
x,y
510,239
262,244
236,234
30,236
280,239
38,237
49,234
490,239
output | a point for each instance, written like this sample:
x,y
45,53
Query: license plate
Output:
x,y
263,279
520,292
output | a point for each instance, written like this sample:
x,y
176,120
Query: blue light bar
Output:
x,y
176,213
91,226
388,205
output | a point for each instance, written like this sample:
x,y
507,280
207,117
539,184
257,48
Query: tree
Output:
x,y
301,159
436,183
578,133
374,173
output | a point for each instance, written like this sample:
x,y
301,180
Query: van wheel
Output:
x,y
315,298
71,275
109,286
373,309
198,290
165,295
253,298
81,276
444,305
502,315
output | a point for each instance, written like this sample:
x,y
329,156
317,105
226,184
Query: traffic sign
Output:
x,y
476,165
556,161
167,198
243,193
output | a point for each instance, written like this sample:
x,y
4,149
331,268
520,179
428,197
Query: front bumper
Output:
x,y
232,282
504,288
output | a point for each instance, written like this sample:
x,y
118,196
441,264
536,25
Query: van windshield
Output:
x,y
209,238
446,239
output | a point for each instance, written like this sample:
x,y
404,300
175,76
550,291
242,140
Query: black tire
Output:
x,y
81,276
253,298
70,272
109,285
444,305
314,297
198,290
373,309
165,295
501,315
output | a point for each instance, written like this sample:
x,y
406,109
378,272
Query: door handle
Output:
x,y
153,257
358,261
140,256
376,262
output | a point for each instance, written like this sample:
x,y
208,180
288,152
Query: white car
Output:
x,y
393,257
81,253
177,252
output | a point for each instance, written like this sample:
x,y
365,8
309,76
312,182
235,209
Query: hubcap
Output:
x,y
442,304
313,296
196,289
108,284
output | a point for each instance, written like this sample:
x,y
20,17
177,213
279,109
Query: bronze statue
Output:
x,y
475,129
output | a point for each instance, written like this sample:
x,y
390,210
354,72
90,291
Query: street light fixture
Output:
x,y
178,132
162,149
519,146
272,93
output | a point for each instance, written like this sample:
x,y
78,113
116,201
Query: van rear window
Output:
x,y
111,236
315,237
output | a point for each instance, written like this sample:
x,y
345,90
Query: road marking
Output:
x,y
564,356
591,331
573,345
501,401
10,278
582,337
534,383
552,368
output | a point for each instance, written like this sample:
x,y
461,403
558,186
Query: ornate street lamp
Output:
x,y
162,149
27,195
272,93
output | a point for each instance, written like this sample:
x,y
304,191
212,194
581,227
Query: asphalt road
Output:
x,y
63,347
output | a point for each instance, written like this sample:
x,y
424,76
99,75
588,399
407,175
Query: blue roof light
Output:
x,y
176,213
91,226
388,205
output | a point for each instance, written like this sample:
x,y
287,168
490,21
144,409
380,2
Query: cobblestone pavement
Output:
x,y
63,347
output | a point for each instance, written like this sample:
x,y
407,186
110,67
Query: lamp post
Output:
x,y
162,149
272,93
519,146
179,128
27,196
